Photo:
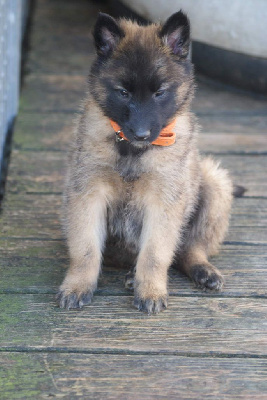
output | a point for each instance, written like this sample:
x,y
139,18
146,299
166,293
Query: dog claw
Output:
x,y
150,306
72,300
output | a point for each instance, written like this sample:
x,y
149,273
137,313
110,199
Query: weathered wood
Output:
x,y
32,216
52,93
66,38
74,57
232,143
216,98
34,266
203,345
61,40
36,172
209,100
43,131
36,216
126,377
53,131
189,325
244,124
32,249
43,172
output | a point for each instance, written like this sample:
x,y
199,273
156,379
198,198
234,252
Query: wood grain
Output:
x,y
43,172
211,346
189,325
36,216
233,123
59,93
61,39
126,377
55,131
232,143
212,98
36,266
209,99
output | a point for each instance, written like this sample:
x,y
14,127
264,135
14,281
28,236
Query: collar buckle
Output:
x,y
118,137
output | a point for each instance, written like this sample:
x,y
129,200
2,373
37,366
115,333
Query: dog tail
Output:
x,y
238,191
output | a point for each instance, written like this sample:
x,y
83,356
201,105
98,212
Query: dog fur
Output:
x,y
167,204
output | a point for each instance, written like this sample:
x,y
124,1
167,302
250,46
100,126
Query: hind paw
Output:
x,y
129,280
207,277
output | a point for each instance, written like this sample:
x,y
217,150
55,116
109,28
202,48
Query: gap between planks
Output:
x,y
63,350
215,153
39,239
61,193
107,293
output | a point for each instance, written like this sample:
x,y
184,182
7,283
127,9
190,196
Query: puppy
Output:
x,y
134,170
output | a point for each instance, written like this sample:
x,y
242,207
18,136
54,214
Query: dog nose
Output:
x,y
142,135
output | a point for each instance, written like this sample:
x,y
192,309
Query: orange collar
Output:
x,y
165,138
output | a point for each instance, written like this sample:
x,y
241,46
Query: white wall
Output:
x,y
237,25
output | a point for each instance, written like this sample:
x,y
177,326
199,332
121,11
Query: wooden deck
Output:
x,y
211,346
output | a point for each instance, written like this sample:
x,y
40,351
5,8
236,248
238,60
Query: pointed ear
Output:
x,y
175,33
107,33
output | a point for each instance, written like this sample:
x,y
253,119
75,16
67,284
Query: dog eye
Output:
x,y
160,92
124,92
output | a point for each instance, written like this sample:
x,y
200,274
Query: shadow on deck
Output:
x,y
204,345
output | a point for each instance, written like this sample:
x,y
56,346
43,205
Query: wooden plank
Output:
x,y
63,18
55,131
35,250
198,325
73,57
35,266
125,377
38,216
232,143
61,39
36,172
212,97
247,171
66,31
239,123
42,172
60,93
52,93
32,216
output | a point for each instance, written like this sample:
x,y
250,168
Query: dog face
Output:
x,y
142,76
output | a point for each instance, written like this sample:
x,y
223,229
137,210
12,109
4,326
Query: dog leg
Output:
x,y
207,227
158,243
195,264
86,232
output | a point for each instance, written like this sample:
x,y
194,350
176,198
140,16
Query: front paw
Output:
x,y
73,300
151,306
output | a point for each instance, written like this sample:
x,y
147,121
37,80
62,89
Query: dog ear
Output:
x,y
107,33
175,33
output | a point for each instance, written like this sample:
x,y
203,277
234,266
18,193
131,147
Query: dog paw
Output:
x,y
129,280
72,300
150,306
207,277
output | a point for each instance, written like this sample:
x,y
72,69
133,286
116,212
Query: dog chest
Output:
x,y
125,221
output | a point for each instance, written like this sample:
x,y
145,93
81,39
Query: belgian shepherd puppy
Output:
x,y
134,170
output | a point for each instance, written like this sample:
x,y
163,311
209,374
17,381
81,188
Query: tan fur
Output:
x,y
183,204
